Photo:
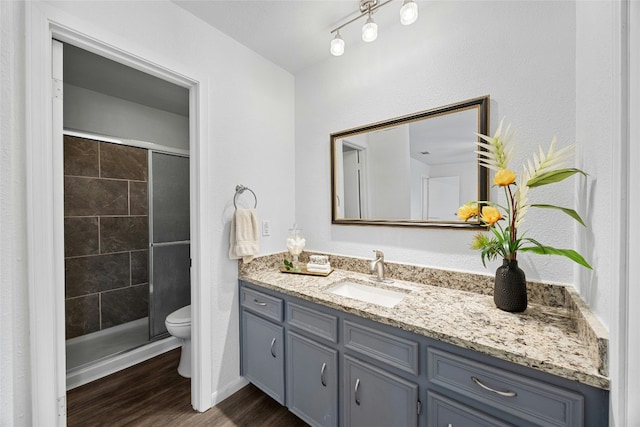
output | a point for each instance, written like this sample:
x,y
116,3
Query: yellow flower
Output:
x,y
490,215
504,177
468,211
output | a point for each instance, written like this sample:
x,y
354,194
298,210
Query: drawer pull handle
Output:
x,y
323,380
501,393
261,304
357,390
273,351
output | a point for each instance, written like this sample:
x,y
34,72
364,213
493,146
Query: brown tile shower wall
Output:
x,y
106,235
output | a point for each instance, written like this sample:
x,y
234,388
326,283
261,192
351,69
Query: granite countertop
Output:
x,y
547,337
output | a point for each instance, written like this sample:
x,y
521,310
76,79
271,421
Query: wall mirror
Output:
x,y
414,170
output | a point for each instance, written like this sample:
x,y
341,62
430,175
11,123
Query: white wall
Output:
x,y
599,122
388,169
521,53
249,139
94,112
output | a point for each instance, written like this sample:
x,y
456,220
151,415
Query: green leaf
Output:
x,y
548,250
573,214
553,176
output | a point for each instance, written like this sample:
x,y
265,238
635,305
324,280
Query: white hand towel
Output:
x,y
243,236
318,268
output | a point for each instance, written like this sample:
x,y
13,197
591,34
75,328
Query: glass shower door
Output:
x,y
169,248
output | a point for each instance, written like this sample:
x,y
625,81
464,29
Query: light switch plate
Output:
x,y
266,227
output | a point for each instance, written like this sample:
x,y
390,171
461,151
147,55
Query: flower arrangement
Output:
x,y
545,168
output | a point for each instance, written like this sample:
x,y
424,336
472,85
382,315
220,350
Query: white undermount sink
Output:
x,y
366,293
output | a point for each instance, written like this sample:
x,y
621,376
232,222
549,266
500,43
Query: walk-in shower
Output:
x,y
127,261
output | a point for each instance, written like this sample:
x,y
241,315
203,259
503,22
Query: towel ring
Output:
x,y
239,190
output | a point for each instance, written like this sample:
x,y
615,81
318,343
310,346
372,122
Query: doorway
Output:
x,y
126,227
46,207
126,212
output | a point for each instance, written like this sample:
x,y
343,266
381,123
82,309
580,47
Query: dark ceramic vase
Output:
x,y
510,290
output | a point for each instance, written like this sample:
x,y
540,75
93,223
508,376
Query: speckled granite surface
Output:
x,y
556,334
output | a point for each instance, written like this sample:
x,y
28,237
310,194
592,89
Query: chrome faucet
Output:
x,y
377,265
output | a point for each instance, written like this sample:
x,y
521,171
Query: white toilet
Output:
x,y
178,324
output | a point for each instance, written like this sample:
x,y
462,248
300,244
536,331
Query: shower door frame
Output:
x,y
45,236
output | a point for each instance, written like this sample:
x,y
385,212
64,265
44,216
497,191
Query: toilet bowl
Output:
x,y
178,324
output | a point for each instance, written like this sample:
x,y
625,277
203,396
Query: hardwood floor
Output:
x,y
153,394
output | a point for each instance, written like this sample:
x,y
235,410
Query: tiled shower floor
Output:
x,y
96,346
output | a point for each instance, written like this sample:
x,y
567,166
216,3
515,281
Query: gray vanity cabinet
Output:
x,y
345,370
312,380
262,357
375,397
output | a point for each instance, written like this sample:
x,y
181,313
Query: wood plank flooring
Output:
x,y
153,394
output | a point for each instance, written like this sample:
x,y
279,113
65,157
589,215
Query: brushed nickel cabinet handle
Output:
x,y
261,304
501,393
273,352
323,380
357,390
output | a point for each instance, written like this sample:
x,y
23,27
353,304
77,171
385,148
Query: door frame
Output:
x,y
363,175
45,228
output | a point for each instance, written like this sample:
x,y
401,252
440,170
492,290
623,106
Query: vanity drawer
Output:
x,y
261,303
313,321
390,349
531,400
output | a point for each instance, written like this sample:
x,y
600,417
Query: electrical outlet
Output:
x,y
266,227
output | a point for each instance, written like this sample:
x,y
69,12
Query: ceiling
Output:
x,y
434,140
99,74
293,34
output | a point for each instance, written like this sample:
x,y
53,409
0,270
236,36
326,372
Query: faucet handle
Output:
x,y
379,254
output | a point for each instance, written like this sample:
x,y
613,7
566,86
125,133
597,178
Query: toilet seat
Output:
x,y
181,316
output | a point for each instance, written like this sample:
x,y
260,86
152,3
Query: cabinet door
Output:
x,y
444,412
374,397
312,381
263,355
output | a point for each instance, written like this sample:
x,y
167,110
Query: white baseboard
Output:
x,y
227,391
122,361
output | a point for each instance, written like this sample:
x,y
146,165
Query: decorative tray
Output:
x,y
303,270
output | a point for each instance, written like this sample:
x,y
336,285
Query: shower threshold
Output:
x,y
102,353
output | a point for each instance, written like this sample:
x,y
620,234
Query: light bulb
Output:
x,y
369,30
337,45
408,12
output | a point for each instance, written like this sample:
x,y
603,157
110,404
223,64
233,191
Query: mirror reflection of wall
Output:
x,y
420,170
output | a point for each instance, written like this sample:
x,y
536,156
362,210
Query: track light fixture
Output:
x,y
408,15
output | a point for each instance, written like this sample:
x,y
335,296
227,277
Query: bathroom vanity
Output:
x,y
437,357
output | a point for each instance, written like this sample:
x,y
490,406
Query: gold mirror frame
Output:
x,y
481,104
